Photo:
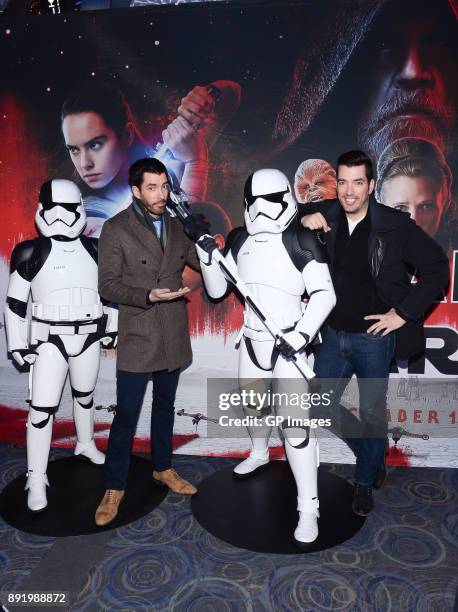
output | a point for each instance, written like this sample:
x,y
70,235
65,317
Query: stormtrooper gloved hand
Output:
x,y
196,226
24,357
205,247
291,343
109,340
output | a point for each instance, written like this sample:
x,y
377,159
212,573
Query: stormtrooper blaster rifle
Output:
x,y
196,417
398,432
195,226
110,408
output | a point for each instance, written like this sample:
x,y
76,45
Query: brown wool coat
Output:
x,y
131,263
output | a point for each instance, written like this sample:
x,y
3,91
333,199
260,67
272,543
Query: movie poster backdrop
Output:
x,y
230,88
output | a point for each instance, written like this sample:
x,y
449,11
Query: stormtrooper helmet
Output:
x,y
269,203
60,209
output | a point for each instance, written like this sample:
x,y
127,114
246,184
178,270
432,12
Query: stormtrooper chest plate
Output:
x,y
65,288
264,260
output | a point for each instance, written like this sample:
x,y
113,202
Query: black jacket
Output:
x,y
396,245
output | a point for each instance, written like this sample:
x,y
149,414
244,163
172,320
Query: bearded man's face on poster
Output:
x,y
412,87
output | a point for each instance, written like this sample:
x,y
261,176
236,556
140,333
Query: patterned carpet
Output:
x,y
405,558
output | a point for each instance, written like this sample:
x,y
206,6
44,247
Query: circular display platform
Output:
x,y
259,513
75,491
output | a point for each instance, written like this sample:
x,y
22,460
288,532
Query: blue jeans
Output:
x,y
130,392
369,357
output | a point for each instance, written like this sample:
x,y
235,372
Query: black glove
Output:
x,y
205,247
109,340
288,350
24,358
195,226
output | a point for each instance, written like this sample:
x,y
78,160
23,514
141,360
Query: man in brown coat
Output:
x,y
142,253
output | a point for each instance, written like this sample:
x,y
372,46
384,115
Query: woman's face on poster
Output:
x,y
419,196
95,149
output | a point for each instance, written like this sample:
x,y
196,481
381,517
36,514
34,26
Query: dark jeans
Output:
x,y
130,392
369,357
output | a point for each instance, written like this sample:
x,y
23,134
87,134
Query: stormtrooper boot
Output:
x,y
303,459
90,450
36,486
259,455
84,423
39,431
306,531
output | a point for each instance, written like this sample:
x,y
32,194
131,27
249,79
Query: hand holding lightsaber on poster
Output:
x,y
196,228
162,150
202,116
206,109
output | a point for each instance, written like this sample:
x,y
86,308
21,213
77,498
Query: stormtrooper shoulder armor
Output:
x,y
29,256
91,245
304,245
234,241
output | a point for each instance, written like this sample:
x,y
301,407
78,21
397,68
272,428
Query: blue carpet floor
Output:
x,y
405,558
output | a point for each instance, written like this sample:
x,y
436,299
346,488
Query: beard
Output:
x,y
433,121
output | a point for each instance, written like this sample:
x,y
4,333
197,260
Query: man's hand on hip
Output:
x,y
165,295
315,222
388,322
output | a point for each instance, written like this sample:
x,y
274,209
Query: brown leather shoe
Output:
x,y
108,507
174,482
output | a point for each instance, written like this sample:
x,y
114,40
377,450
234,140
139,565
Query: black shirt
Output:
x,y
353,283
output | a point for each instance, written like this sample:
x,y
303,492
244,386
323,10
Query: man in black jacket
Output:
x,y
379,312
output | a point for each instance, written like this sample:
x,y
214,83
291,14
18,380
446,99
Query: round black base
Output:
x,y
259,513
76,489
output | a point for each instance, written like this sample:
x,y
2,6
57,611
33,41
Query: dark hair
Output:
x,y
105,100
356,158
139,167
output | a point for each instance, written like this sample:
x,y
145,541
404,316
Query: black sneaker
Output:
x,y
381,474
362,500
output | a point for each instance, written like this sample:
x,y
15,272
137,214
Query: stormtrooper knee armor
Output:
x,y
67,325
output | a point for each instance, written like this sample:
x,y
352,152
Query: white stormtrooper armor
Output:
x,y
278,260
68,324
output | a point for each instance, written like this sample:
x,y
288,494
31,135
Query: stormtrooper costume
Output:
x,y
66,329
278,260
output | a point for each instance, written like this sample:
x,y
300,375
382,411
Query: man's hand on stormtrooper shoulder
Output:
x,y
24,357
205,247
291,343
315,222
109,340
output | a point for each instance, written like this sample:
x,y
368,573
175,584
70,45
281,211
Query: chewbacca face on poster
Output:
x,y
412,88
314,181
